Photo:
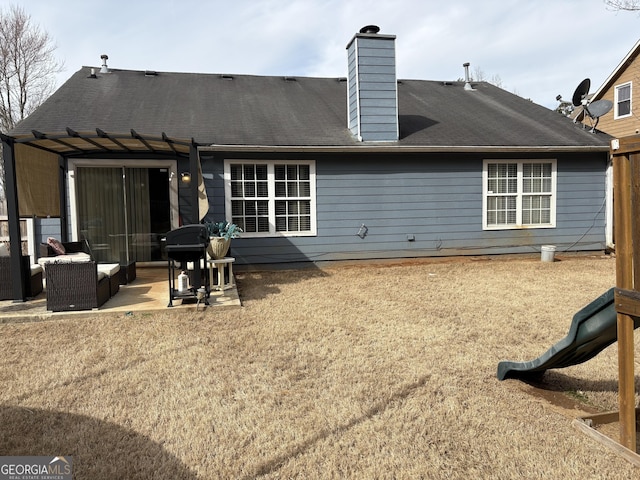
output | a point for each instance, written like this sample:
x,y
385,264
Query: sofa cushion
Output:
x,y
110,269
35,269
56,245
68,258
4,250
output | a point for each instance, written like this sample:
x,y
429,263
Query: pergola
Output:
x,y
39,162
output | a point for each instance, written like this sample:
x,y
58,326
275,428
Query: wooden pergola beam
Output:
x,y
103,134
42,136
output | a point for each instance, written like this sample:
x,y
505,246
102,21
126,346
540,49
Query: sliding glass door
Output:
x,y
123,212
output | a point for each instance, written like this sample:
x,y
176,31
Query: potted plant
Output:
x,y
220,235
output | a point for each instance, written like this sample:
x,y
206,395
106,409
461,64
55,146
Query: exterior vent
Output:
x,y
104,68
150,73
467,77
372,86
290,79
226,77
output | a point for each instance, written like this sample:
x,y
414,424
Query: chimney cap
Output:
x,y
370,29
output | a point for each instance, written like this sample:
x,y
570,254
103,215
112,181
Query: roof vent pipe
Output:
x,y
467,79
104,68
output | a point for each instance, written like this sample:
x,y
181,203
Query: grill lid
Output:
x,y
188,235
187,243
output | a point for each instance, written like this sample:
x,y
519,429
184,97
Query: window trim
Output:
x,y
518,225
616,102
271,198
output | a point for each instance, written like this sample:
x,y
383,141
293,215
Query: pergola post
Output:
x,y
62,189
15,239
193,195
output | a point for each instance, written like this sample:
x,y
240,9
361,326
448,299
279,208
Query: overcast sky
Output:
x,y
538,48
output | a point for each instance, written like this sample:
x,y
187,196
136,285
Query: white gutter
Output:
x,y
402,148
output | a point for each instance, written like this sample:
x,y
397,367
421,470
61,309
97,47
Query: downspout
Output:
x,y
15,247
609,219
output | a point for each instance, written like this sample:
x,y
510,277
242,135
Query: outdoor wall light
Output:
x,y
185,177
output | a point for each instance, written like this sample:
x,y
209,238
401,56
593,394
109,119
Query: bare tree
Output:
x,y
478,74
630,5
27,69
496,80
564,108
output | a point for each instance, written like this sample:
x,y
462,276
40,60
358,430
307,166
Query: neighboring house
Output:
x,y
622,88
312,169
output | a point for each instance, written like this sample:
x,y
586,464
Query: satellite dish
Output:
x,y
598,108
581,93
591,110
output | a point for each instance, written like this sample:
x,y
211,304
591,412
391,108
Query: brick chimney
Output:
x,y
372,86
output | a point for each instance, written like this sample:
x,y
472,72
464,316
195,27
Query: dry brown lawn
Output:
x,y
361,371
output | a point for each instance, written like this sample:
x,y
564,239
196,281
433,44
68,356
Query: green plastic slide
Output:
x,y
592,330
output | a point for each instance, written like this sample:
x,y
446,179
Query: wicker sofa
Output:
x,y
78,252
32,287
76,286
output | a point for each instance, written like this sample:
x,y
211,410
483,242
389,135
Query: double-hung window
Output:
x,y
623,100
271,198
518,194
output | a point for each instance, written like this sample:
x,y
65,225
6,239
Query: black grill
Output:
x,y
187,244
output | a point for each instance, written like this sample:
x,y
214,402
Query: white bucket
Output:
x,y
547,253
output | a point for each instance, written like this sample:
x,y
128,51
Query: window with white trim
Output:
x,y
623,100
271,198
518,194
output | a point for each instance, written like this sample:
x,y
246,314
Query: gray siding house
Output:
x,y
312,169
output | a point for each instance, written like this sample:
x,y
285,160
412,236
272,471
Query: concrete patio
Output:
x,y
149,292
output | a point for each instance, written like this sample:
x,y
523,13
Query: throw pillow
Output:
x,y
56,246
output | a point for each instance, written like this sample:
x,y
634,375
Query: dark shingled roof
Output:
x,y
302,111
